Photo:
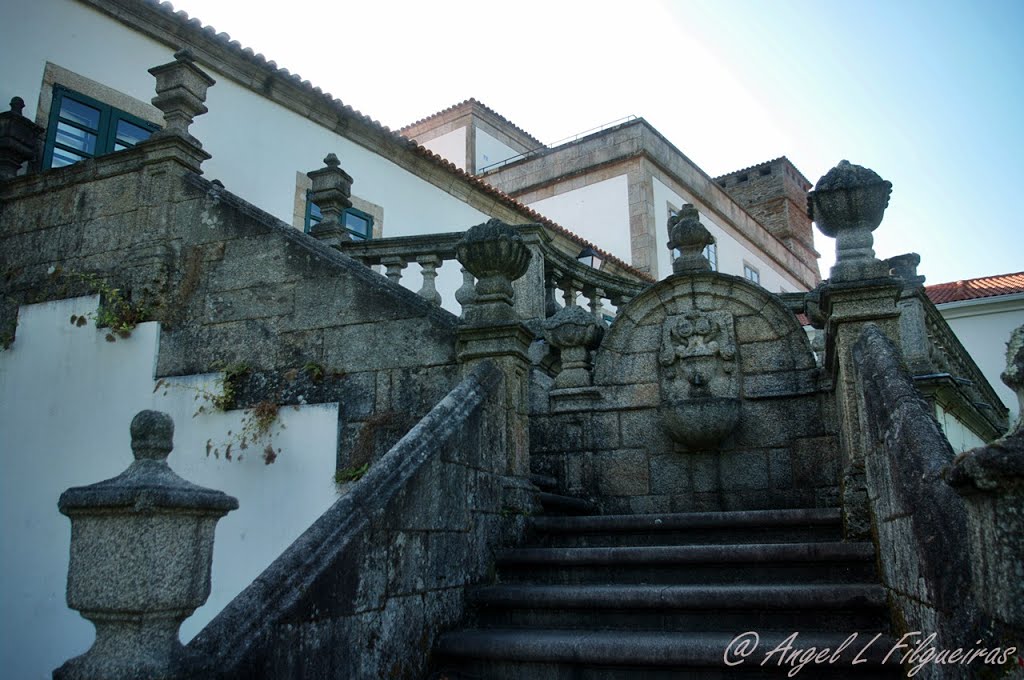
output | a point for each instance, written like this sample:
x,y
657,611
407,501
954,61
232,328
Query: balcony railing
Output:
x,y
417,261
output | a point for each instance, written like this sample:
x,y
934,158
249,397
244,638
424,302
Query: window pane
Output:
x,y
80,113
130,134
358,225
69,135
62,158
314,213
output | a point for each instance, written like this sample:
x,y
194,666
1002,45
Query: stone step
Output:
x,y
544,482
760,526
822,562
556,504
827,607
552,654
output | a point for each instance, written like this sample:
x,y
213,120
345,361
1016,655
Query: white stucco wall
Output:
x,y
733,251
257,146
450,146
960,437
598,213
67,398
489,150
983,326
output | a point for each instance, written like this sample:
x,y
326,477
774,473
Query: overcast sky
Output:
x,y
928,94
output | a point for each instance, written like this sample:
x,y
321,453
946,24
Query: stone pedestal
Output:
x,y
141,550
332,189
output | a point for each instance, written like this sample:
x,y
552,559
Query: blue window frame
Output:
x,y
356,222
81,127
751,273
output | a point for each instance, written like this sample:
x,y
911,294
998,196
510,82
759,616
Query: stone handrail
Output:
x,y
562,275
398,546
946,355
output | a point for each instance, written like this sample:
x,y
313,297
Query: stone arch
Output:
x,y
774,356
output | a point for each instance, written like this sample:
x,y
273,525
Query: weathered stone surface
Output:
x,y
623,473
919,520
141,550
991,481
847,204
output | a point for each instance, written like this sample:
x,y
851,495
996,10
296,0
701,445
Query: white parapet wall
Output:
x,y
67,397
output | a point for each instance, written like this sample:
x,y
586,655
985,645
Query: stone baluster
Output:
x,y
847,204
686,233
466,294
18,139
594,295
551,305
496,255
393,266
429,263
181,94
570,289
141,550
332,188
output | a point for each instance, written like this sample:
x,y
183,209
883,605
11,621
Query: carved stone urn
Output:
x,y
847,204
700,403
575,332
496,255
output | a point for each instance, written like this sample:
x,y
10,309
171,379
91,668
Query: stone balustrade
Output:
x,y
940,364
562,280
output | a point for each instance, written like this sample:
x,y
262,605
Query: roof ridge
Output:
x,y
225,41
464,102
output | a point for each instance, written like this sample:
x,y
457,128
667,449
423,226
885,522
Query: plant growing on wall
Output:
x,y
117,312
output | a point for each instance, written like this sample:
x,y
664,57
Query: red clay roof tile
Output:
x,y
972,289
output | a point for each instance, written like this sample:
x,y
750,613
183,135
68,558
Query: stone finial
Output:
x,y
332,188
847,204
690,237
180,93
1013,376
18,137
496,255
904,267
575,332
141,550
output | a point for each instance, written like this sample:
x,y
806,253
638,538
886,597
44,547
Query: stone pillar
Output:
x,y
991,481
18,139
686,233
492,331
332,188
575,332
141,549
181,94
848,203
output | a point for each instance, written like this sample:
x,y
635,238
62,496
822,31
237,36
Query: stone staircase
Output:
x,y
662,596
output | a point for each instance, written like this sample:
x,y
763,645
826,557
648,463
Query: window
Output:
x,y
81,127
357,222
711,252
751,273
